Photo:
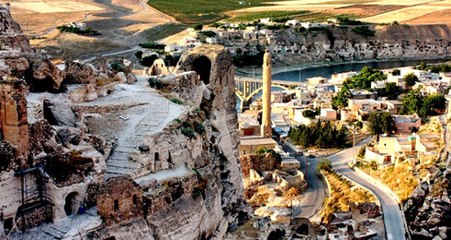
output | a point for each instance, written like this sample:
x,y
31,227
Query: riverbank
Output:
x,y
281,68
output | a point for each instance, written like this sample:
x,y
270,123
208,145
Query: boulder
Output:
x,y
131,78
45,76
120,77
77,73
59,114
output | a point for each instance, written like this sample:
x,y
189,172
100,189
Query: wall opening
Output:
x,y
8,225
135,200
110,238
116,205
157,157
303,229
72,203
202,66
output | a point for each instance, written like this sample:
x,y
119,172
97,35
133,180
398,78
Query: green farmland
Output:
x,y
202,11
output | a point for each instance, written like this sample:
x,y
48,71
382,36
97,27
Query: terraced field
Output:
x,y
376,11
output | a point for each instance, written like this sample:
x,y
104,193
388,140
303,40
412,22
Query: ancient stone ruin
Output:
x,y
93,152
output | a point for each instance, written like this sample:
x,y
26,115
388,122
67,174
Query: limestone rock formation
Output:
x,y
428,210
190,179
337,44
21,58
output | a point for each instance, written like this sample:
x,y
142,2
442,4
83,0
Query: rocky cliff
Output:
x,y
18,58
343,44
188,171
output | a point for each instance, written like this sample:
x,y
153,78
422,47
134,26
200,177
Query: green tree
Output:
x,y
198,27
309,114
381,122
148,60
410,79
391,91
412,102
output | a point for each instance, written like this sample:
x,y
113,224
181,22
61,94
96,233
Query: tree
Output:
x,y
139,54
148,60
391,91
412,102
198,27
309,114
381,122
410,79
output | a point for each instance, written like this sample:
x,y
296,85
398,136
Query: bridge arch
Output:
x,y
256,91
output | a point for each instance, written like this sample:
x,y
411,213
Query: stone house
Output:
x,y
389,149
405,124
328,114
249,145
120,199
393,106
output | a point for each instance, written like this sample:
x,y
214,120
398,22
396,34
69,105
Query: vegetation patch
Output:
x,y
163,31
364,31
276,16
319,134
85,32
361,81
343,192
400,178
176,101
201,11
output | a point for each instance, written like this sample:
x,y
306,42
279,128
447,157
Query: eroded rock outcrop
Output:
x,y
22,60
190,176
338,44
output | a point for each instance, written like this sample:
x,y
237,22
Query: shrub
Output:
x,y
176,101
189,132
155,83
396,72
364,31
139,54
199,128
87,32
152,45
324,165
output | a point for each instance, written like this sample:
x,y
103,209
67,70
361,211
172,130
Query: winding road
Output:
x,y
393,219
313,198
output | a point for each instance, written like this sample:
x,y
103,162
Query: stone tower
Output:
x,y
266,129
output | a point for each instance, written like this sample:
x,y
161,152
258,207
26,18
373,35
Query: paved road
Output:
x,y
313,197
392,214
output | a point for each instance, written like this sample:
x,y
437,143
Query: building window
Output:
x,y
116,205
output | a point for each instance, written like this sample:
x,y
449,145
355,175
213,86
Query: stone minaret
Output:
x,y
266,129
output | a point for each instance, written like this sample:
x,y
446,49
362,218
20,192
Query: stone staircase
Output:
x,y
150,122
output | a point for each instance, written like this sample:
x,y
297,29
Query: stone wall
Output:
x,y
120,199
13,115
265,162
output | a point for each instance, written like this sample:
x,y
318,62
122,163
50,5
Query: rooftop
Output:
x,y
253,140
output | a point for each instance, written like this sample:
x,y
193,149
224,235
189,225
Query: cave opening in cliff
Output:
x,y
202,66
71,204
